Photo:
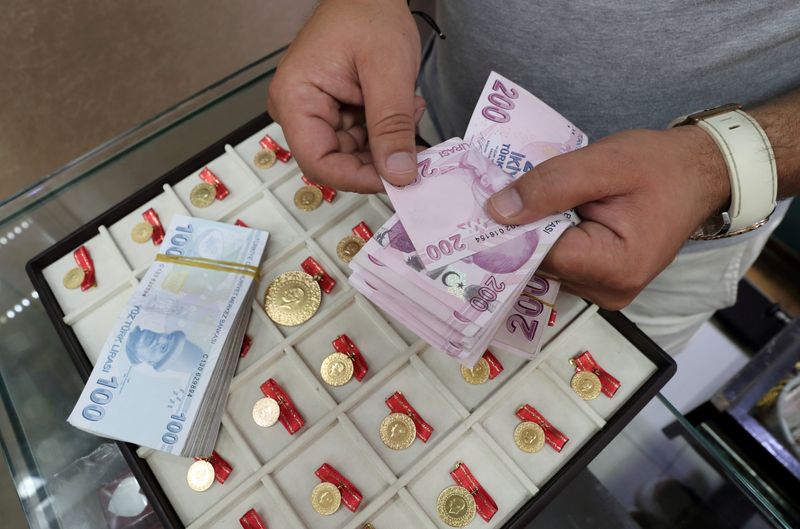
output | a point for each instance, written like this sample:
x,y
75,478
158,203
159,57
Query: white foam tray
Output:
x,y
273,472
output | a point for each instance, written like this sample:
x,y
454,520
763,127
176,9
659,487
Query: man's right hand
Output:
x,y
344,94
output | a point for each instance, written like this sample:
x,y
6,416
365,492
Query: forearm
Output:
x,y
780,119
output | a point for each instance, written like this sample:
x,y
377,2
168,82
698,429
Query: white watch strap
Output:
x,y
751,166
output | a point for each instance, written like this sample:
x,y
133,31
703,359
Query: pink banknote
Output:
x,y
522,328
444,209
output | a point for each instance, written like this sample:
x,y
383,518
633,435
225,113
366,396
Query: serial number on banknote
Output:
x,y
496,232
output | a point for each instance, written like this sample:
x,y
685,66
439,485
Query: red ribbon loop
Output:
x,y
351,497
206,175
240,222
343,344
328,193
586,362
311,267
251,520
222,469
484,503
552,435
495,367
280,153
151,217
552,320
362,230
289,417
398,404
84,261
246,343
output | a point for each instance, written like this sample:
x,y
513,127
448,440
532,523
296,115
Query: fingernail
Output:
x,y
418,114
401,163
507,202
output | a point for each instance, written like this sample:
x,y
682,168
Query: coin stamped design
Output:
x,y
200,476
478,374
398,431
266,412
73,278
326,498
308,198
456,506
529,437
586,384
203,195
292,298
336,369
348,247
142,232
264,159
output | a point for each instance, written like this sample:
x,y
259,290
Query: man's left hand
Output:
x,y
640,195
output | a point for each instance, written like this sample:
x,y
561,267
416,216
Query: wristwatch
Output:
x,y
751,167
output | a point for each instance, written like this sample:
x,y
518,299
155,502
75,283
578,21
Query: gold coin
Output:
x,y
73,278
308,198
292,298
326,498
200,476
349,247
264,159
142,232
586,384
529,436
266,412
336,369
203,195
398,431
456,506
478,374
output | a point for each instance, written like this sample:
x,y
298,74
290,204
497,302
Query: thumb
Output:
x,y
555,185
390,107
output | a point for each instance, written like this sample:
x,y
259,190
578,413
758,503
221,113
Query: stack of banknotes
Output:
x,y
164,371
441,265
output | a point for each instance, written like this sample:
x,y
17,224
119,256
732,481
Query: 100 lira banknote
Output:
x,y
157,362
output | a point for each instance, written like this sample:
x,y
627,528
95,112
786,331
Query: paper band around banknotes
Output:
x,y
210,264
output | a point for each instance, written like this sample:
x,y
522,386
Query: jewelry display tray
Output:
x,y
273,472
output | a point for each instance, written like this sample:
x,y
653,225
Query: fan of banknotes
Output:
x,y
441,265
164,371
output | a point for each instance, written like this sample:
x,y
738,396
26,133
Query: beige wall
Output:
x,y
75,74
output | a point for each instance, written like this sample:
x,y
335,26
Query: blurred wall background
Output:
x,y
75,74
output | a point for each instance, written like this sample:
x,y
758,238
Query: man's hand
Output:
x,y
640,194
354,59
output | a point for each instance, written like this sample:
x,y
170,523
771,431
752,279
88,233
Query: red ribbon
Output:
x,y
343,344
552,320
495,367
289,416
585,362
206,175
552,435
328,193
311,267
363,231
484,503
251,520
240,222
158,230
398,404
351,497
222,469
84,261
246,343
280,153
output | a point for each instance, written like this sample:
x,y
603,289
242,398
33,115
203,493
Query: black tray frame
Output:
x,y
665,365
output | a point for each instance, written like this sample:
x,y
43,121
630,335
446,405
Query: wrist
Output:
x,y
706,169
